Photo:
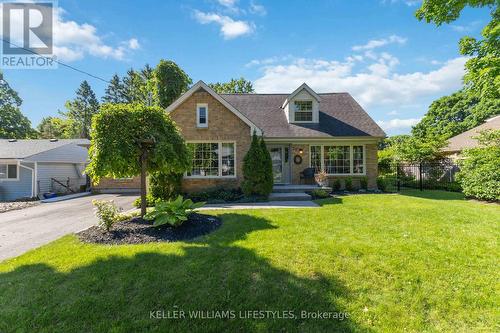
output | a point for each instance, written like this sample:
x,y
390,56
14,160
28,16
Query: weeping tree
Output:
x,y
132,139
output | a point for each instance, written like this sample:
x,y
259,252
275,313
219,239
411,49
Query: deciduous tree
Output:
x,y
483,69
171,82
13,124
234,86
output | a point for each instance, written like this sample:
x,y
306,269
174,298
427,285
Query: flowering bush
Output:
x,y
106,212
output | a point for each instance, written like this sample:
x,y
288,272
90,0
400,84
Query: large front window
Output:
x,y
212,159
8,171
338,160
303,111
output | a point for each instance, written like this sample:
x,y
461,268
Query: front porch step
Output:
x,y
289,196
298,188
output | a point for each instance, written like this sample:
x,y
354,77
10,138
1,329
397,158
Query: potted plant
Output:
x,y
321,178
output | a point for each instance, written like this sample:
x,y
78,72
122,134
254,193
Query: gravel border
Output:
x,y
16,205
138,231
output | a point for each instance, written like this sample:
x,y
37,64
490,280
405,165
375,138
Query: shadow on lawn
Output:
x,y
329,201
213,274
433,194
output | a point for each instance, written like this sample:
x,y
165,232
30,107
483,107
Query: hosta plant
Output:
x,y
173,212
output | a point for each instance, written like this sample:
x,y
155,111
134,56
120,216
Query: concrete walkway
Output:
x,y
29,228
262,205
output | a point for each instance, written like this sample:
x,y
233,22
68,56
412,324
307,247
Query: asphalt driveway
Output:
x,y
29,228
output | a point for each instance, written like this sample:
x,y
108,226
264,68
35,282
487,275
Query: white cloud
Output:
x,y
229,28
257,9
72,40
393,113
469,27
374,85
133,44
227,3
409,3
376,43
397,124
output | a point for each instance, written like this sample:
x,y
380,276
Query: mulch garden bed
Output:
x,y
137,231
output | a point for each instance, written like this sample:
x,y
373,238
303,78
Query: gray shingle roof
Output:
x,y
340,115
26,148
466,139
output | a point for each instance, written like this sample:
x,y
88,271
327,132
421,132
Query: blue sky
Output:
x,y
377,50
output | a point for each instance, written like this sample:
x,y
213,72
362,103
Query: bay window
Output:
x,y
338,160
8,171
212,159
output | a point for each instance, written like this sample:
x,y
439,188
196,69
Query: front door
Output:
x,y
280,156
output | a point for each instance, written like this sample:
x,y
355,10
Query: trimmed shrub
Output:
x,y
381,183
348,184
363,183
257,170
479,173
319,194
106,212
150,201
165,186
216,195
336,184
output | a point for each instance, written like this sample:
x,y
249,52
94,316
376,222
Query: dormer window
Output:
x,y
201,115
303,111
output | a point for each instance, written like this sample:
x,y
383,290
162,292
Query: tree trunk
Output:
x,y
143,182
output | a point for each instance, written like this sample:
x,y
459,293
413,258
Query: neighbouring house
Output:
x,y
302,129
468,139
29,168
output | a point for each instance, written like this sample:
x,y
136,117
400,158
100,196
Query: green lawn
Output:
x,y
411,263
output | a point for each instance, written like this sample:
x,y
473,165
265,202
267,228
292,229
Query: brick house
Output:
x,y
301,130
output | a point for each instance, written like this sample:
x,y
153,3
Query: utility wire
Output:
x,y
57,61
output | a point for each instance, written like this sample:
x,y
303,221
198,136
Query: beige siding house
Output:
x,y
468,139
303,129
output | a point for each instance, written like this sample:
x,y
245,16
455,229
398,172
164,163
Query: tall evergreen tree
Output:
x,y
267,169
257,169
82,108
114,93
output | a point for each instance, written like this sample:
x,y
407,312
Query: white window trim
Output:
x,y
351,158
17,172
312,112
198,106
220,161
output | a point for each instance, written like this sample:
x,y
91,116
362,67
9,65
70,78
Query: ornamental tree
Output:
x,y
117,137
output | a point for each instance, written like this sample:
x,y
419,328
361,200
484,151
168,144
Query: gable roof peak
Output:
x,y
202,85
303,86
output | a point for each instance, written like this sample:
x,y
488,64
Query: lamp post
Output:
x,y
146,145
